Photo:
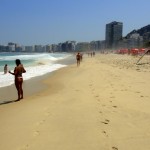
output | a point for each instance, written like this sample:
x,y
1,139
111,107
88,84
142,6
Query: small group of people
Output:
x,y
79,57
18,70
92,54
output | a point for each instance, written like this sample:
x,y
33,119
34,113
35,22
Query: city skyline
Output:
x,y
48,22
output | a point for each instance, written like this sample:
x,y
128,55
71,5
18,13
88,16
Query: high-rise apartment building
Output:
x,y
113,34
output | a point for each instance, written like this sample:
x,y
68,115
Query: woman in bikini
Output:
x,y
19,69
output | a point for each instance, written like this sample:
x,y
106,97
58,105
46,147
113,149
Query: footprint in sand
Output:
x,y
97,96
36,133
112,97
111,85
98,100
100,112
114,148
24,147
93,90
114,106
105,122
41,122
137,92
90,84
105,133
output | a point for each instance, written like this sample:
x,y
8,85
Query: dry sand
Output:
x,y
101,105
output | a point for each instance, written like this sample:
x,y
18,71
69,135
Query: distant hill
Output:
x,y
144,31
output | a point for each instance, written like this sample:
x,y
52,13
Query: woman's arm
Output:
x,y
15,71
11,72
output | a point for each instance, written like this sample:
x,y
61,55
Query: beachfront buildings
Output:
x,y
113,34
133,40
97,45
29,49
113,40
68,46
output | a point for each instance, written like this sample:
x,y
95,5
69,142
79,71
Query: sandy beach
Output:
x,y
101,105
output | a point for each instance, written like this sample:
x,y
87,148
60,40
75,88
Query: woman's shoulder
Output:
x,y
20,65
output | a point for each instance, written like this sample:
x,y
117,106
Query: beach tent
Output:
x,y
122,51
134,51
142,50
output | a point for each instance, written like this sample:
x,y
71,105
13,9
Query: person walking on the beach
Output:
x,y
19,69
5,69
78,58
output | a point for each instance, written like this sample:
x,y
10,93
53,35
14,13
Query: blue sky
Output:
x,y
29,22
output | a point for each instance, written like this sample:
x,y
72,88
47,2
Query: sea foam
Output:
x,y
8,79
35,65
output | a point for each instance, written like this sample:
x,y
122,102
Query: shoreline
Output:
x,y
29,85
28,88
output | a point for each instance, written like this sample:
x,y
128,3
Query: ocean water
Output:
x,y
36,64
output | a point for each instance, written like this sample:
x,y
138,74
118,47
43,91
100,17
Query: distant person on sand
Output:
x,y
5,69
78,58
93,54
19,69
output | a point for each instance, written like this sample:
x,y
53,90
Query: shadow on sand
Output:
x,y
8,102
143,64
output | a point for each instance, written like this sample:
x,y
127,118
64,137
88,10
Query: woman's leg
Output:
x,y
21,90
17,87
18,83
